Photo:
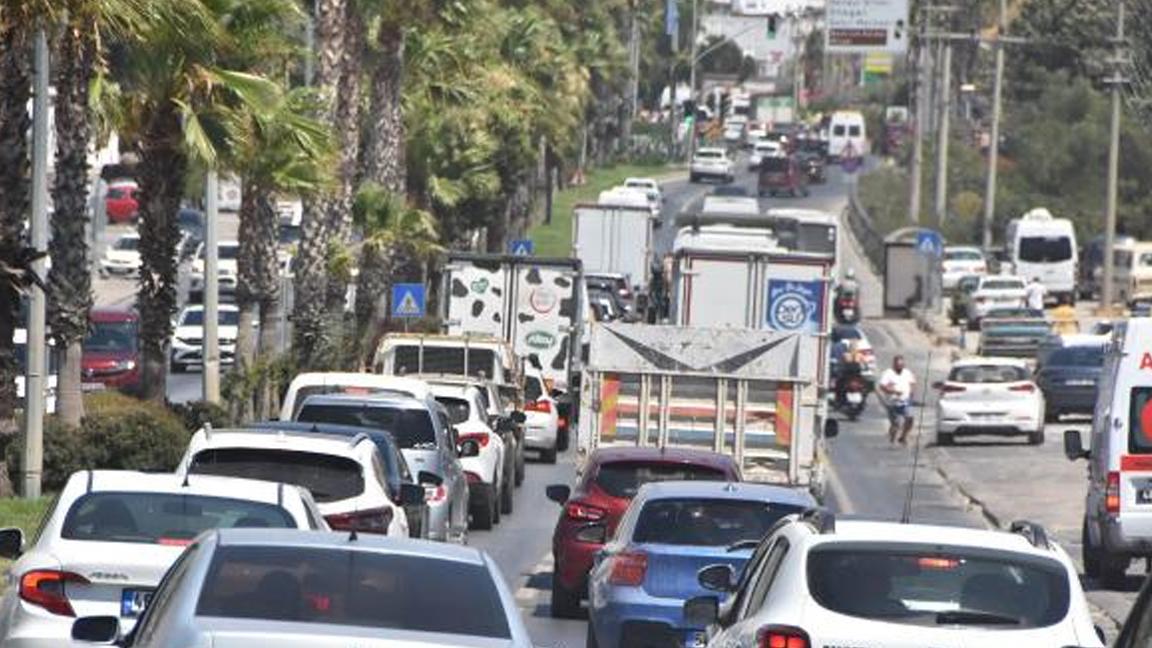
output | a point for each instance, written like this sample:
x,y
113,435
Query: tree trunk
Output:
x,y
163,164
383,157
371,290
240,405
15,92
270,323
71,277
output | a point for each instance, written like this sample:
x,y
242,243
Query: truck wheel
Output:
x,y
1098,564
565,603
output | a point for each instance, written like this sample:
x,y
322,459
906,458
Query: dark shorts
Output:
x,y
899,414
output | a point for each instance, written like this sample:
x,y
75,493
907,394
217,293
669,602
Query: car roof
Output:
x,y
129,235
450,390
1081,340
987,361
199,307
391,401
725,490
932,534
963,248
326,429
604,275
341,540
433,379
112,315
132,481
360,379
278,439
614,454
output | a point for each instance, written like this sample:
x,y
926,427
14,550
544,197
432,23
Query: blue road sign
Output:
x,y
522,247
929,244
408,300
795,306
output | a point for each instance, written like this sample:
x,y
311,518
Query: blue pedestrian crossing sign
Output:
x,y
522,247
408,300
929,244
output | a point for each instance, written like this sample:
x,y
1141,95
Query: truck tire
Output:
x,y
565,604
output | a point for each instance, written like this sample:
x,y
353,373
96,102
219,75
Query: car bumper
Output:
x,y
537,437
1115,541
1069,400
620,615
195,355
1010,424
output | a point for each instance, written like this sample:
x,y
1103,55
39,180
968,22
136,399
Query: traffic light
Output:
x,y
772,23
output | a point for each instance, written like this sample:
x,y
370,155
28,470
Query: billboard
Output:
x,y
861,26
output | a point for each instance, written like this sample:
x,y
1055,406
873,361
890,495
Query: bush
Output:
x,y
117,433
196,413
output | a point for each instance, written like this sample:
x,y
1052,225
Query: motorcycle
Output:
x,y
847,309
852,396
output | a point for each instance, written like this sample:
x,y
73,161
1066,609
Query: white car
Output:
x,y
345,476
818,581
348,382
757,132
20,342
989,396
994,291
711,163
188,336
227,252
959,262
111,535
542,422
761,150
648,185
123,257
490,488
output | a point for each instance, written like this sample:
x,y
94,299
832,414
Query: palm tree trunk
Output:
x,y
383,158
270,323
15,91
71,277
240,405
163,164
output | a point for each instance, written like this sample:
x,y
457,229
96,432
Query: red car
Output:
x,y
607,485
782,174
111,350
120,202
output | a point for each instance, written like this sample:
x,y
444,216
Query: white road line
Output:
x,y
529,597
838,491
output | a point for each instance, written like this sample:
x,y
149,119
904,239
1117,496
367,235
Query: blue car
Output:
x,y
672,530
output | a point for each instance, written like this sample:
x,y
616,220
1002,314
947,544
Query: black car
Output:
x,y
1069,379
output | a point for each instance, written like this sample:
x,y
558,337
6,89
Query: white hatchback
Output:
x,y
542,418
989,396
188,336
994,291
959,262
111,535
122,259
490,491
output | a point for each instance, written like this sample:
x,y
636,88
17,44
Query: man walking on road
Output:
x,y
896,385
1035,293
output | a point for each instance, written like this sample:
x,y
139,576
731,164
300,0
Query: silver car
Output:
x,y
264,587
427,440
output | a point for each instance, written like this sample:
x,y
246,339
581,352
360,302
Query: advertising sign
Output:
x,y
795,306
862,26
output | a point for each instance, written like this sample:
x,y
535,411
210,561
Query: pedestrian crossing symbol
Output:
x,y
521,247
408,300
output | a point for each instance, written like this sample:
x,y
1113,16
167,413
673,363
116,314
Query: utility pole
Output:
x,y
633,73
994,135
919,118
211,344
37,363
943,134
692,76
1117,86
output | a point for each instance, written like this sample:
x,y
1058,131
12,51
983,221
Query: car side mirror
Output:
x,y
11,543
1074,446
102,630
558,493
411,495
468,448
425,478
831,428
701,611
717,578
518,417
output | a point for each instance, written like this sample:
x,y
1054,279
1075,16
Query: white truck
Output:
x,y
614,239
751,394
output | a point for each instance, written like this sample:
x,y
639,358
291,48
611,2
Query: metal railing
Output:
x,y
864,230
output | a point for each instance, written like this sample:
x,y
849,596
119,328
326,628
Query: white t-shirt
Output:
x,y
901,383
1035,295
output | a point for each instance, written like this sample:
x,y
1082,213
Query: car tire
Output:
x,y
520,467
482,511
548,456
497,507
693,178
1036,437
564,603
178,368
562,439
590,639
507,497
1051,415
944,438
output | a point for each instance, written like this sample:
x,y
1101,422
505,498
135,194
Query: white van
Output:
x,y
1044,247
846,132
1132,277
1118,506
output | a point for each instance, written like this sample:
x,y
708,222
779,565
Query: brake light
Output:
x,y
776,636
435,494
539,406
580,511
1112,493
952,389
46,588
479,437
369,521
1026,387
628,568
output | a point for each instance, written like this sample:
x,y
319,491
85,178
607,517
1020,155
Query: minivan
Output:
x,y
1043,247
847,135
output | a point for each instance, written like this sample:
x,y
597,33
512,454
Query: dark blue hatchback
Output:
x,y
1069,379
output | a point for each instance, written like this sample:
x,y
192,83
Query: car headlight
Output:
x,y
125,365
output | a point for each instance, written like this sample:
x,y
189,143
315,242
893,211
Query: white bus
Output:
x,y
1044,247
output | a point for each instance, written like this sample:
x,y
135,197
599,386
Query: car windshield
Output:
x,y
411,427
1002,284
935,585
224,317
457,408
111,336
127,244
987,374
1078,356
707,522
962,255
624,478
329,477
1045,249
163,518
352,587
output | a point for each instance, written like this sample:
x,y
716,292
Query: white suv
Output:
x,y
815,581
542,418
110,536
490,487
346,476
711,163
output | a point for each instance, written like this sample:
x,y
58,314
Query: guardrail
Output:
x,y
864,229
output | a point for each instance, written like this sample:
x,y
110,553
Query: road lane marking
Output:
x,y
843,501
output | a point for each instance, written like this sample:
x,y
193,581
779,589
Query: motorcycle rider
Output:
x,y
847,362
848,288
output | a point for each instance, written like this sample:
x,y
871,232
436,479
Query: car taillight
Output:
x,y
628,568
1112,493
1027,388
479,437
46,588
776,636
952,389
538,406
580,511
370,521
435,494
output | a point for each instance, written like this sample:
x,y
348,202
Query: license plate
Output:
x,y
133,602
91,387
1080,382
855,398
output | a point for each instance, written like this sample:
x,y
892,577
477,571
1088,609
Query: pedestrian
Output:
x,y
896,385
1064,320
1034,294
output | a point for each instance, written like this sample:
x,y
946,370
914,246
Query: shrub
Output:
x,y
195,414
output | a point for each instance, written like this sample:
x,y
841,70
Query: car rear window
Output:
x,y
412,428
624,478
330,478
345,587
303,393
443,360
1045,249
127,243
1078,356
458,408
987,374
938,586
707,522
533,389
709,155
163,518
